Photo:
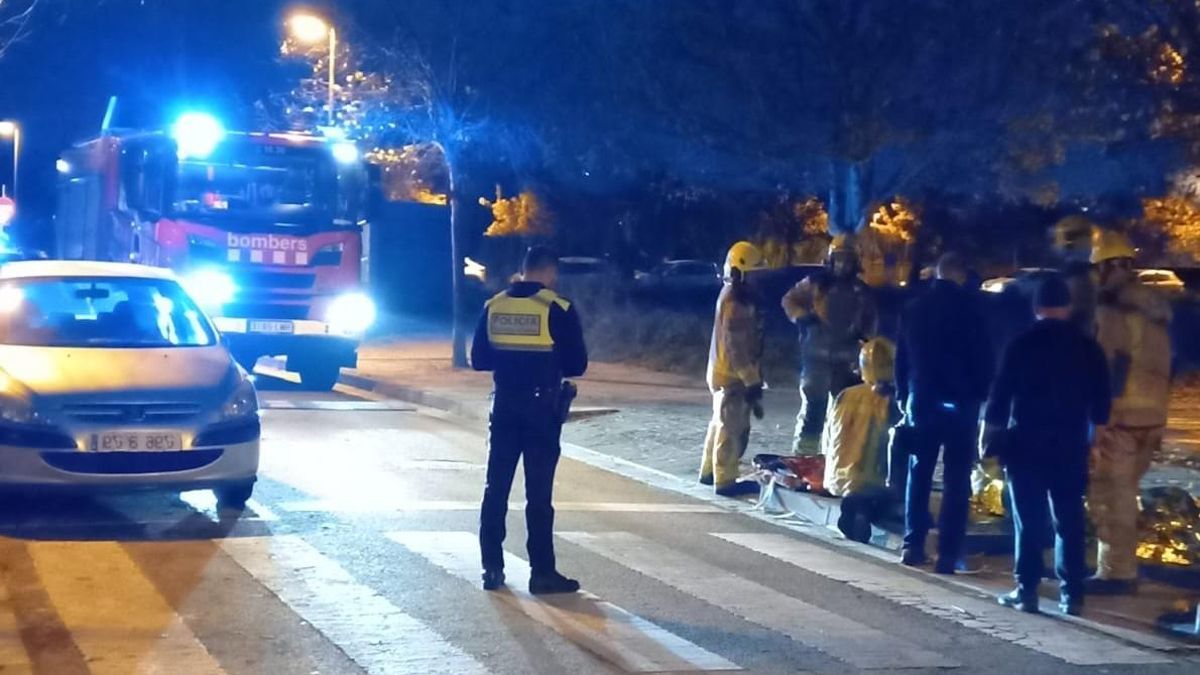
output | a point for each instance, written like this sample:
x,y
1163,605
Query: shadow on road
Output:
x,y
151,516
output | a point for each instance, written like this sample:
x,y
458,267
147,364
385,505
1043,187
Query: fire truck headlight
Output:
x,y
345,153
210,288
197,135
351,314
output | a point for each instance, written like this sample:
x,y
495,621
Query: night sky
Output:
x,y
156,56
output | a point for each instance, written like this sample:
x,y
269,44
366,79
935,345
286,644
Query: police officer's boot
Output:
x,y
493,579
1021,601
546,584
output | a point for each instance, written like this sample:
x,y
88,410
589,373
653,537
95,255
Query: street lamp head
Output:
x,y
8,128
308,28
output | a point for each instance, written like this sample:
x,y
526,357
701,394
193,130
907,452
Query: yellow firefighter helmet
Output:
x,y
1110,245
1072,232
744,257
877,361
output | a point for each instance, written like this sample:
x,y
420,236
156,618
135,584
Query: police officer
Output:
x,y
835,311
530,338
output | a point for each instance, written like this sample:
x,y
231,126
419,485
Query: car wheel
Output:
x,y
319,377
234,496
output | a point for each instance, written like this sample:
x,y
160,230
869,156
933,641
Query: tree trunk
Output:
x,y
845,197
458,322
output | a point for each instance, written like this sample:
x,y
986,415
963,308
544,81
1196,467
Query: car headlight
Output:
x,y
351,314
242,403
210,288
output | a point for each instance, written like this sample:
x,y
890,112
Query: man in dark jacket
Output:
x,y
943,369
530,338
1052,390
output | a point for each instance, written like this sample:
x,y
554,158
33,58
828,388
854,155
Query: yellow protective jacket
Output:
x,y
1132,327
855,437
735,353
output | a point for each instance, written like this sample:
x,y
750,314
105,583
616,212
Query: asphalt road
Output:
x,y
357,555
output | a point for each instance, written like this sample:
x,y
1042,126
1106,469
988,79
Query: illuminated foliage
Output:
x,y
794,233
1178,218
521,215
413,173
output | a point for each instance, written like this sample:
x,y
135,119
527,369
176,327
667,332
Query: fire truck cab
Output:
x,y
265,230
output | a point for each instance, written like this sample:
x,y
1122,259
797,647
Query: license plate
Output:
x,y
135,441
272,327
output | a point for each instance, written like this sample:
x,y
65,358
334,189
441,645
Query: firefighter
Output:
x,y
835,312
530,338
1132,322
734,374
1073,243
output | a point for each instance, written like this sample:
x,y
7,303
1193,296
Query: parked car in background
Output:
x,y
1024,281
680,276
114,379
1165,280
581,277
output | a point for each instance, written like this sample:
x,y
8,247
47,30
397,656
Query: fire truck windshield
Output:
x,y
252,183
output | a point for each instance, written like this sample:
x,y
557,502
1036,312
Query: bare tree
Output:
x,y
15,22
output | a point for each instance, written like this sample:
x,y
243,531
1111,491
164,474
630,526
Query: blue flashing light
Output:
x,y
345,153
211,288
197,134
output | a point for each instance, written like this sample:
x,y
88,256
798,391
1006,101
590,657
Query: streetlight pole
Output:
x,y
311,29
332,69
10,128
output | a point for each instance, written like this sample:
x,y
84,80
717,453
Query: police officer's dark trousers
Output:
x,y
524,426
950,433
1046,484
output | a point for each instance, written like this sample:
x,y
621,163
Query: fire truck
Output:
x,y
264,229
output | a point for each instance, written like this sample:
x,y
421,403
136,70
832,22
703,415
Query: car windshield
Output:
x,y
100,312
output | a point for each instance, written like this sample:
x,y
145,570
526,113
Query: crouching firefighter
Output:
x,y
734,374
530,338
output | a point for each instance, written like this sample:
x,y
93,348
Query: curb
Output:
x,y
413,395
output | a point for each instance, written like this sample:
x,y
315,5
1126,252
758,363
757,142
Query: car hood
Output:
x,y
64,371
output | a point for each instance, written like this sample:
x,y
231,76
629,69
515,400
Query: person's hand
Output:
x,y
754,396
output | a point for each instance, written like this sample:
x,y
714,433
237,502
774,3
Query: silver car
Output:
x,y
111,377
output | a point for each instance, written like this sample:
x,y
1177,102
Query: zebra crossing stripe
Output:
x,y
626,640
94,586
859,645
385,505
1053,638
13,657
362,623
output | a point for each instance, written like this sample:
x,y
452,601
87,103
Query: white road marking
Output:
x,y
13,657
372,631
377,505
857,644
615,635
94,586
1040,634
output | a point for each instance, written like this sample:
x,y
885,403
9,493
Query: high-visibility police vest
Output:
x,y
522,324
